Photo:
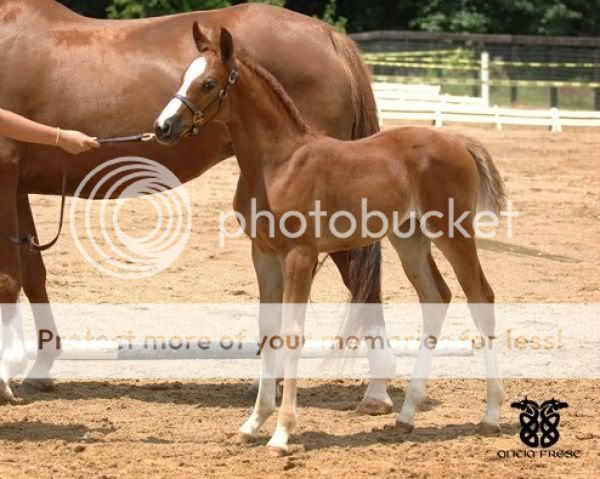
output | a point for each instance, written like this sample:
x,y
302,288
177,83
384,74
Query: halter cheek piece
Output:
x,y
200,114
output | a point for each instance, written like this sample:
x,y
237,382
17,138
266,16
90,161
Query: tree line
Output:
x,y
523,17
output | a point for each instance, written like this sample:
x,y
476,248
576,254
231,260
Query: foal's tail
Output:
x,y
492,194
365,263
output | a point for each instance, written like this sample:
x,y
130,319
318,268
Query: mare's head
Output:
x,y
201,96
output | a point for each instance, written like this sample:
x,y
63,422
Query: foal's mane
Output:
x,y
278,90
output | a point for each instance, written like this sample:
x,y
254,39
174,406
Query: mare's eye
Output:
x,y
209,84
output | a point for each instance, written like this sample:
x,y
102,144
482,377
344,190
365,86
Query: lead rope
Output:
x,y
30,239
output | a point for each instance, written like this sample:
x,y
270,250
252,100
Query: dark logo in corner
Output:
x,y
539,423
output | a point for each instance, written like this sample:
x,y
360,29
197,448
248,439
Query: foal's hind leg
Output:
x,y
434,296
34,285
376,400
461,252
13,345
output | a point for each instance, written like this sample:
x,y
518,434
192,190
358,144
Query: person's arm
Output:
x,y
19,128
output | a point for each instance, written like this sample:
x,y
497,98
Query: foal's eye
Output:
x,y
209,84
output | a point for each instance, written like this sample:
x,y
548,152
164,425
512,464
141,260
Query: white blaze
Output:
x,y
197,68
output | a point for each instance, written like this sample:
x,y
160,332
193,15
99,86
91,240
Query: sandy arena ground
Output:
x,y
172,429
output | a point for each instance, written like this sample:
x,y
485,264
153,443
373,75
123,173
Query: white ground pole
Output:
x,y
162,350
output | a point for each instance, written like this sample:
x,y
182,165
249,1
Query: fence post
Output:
x,y
497,117
485,79
556,125
438,121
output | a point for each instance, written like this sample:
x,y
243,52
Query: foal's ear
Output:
x,y
226,46
202,41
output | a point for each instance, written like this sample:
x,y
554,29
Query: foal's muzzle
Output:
x,y
170,131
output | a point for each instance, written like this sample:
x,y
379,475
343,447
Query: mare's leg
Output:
x,y
13,358
270,284
299,265
434,296
34,284
376,400
462,255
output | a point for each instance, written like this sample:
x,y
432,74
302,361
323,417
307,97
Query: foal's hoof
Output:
x,y
404,427
486,428
373,407
32,386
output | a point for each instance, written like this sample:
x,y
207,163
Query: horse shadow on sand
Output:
x,y
232,394
38,431
341,396
314,440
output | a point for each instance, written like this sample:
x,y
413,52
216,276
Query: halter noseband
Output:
x,y
200,114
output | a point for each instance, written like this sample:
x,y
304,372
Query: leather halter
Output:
x,y
200,114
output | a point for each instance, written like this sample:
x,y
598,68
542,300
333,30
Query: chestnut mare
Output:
x,y
286,166
111,78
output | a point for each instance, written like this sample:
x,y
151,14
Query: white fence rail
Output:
x,y
423,102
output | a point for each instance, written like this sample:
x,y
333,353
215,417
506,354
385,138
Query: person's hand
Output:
x,y
75,142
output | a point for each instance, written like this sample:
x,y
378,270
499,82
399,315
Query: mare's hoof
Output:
x,y
10,400
32,386
7,396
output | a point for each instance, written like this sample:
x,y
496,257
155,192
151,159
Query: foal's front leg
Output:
x,y
270,284
299,265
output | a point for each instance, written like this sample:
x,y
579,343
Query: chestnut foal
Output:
x,y
286,167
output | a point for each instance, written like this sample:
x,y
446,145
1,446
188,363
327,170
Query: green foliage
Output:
x,y
330,16
543,17
277,3
152,8
535,17
444,16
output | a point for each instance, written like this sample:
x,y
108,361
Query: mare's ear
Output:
x,y
202,40
226,46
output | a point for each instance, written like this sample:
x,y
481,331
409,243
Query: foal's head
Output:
x,y
201,97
